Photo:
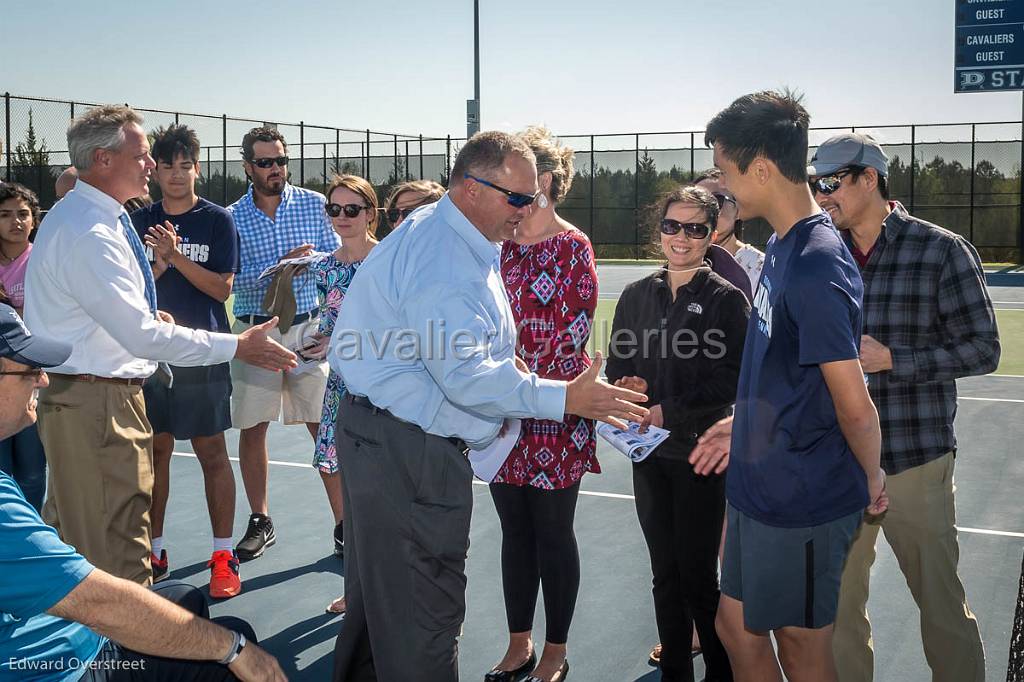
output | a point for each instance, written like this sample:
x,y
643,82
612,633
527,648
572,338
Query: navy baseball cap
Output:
x,y
19,344
850,149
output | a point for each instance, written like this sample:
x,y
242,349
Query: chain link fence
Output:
x,y
965,177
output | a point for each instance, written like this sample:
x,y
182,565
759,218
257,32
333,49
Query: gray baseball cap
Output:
x,y
20,345
849,149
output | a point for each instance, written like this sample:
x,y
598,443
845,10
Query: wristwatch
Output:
x,y
236,648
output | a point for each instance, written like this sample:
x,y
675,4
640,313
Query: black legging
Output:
x,y
538,544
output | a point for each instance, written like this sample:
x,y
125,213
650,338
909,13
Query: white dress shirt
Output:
x,y
84,286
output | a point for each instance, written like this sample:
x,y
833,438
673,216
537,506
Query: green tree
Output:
x,y
30,165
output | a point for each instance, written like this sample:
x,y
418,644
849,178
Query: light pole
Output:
x,y
473,105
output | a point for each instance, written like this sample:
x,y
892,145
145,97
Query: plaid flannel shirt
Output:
x,y
300,219
925,298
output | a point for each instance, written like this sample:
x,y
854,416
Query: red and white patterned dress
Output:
x,y
552,288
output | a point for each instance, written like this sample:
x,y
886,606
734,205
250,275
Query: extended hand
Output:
x,y
874,356
589,396
256,348
711,455
164,317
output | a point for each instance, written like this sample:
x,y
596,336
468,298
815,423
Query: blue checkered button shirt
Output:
x,y
925,298
300,220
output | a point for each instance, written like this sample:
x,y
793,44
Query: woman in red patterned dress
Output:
x,y
551,281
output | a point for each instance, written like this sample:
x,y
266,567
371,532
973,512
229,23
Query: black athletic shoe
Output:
x,y
339,540
159,565
258,536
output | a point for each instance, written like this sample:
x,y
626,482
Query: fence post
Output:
x,y
302,153
421,156
448,158
325,165
367,173
970,229
592,179
337,150
7,133
636,195
913,163
1020,187
395,152
693,162
224,158
72,111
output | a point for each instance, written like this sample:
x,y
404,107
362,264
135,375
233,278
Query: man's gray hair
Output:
x,y
99,128
486,151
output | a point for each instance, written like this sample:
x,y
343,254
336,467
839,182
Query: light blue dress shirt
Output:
x,y
426,332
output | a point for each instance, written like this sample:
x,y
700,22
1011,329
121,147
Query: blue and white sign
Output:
x,y
989,46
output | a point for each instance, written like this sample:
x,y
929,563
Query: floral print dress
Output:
x,y
332,278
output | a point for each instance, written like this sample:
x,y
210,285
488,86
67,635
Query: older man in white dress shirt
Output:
x,y
89,284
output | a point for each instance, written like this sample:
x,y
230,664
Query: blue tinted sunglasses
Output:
x,y
516,199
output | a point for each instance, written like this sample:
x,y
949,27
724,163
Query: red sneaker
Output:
x,y
159,565
224,581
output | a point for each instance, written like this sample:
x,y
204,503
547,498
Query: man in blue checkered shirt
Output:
x,y
928,321
275,220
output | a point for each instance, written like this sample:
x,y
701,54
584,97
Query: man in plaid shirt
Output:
x,y
275,220
928,321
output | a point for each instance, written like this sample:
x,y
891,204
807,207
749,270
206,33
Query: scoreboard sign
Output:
x,y
989,46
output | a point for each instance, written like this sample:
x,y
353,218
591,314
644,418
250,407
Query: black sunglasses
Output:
x,y
350,210
829,184
722,198
281,161
691,230
517,199
397,215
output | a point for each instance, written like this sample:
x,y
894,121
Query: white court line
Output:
x,y
991,400
620,496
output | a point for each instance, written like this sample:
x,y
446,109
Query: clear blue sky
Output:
x,y
580,66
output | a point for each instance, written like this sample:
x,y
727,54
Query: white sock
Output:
x,y
158,545
220,544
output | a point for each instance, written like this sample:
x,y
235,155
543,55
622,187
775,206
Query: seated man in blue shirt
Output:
x,y
425,344
62,619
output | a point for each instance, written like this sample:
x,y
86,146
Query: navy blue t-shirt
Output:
x,y
208,238
790,465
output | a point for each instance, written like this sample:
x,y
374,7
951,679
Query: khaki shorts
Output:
x,y
259,395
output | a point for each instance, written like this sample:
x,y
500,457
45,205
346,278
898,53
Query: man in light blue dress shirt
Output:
x,y
425,344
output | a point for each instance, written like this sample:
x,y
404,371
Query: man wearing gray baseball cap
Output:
x,y
928,321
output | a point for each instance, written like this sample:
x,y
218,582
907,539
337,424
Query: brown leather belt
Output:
x,y
92,379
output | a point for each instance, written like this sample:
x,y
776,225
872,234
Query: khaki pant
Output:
x,y
920,528
99,447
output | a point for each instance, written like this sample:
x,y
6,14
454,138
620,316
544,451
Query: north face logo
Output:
x,y
695,308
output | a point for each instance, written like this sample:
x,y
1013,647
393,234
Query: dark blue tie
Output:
x,y
147,275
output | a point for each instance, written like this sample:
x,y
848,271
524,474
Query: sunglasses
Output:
x,y
281,161
350,210
829,184
35,372
691,230
516,199
397,215
722,198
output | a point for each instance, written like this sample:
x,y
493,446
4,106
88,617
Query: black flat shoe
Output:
x,y
563,673
516,675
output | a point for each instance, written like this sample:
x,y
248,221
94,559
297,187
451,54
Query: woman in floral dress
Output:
x,y
352,207
550,277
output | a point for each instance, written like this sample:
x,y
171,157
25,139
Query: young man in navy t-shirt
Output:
x,y
803,463
193,245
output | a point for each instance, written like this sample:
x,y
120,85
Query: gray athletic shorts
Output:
x,y
785,577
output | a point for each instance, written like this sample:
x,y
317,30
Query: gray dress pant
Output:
x,y
408,500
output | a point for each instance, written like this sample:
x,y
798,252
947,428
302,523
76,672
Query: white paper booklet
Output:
x,y
487,462
633,444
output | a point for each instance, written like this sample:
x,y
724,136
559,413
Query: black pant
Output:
x,y
408,500
681,514
115,663
538,545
